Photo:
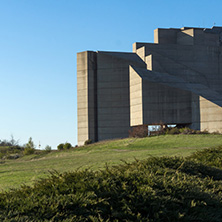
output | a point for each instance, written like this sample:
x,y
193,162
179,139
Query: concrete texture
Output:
x,y
176,80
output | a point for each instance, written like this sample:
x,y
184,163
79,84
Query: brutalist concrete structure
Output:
x,y
175,80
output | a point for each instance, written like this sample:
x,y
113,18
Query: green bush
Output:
x,y
28,151
187,130
87,142
60,146
67,146
30,144
210,157
29,147
173,131
48,148
7,152
1,155
155,189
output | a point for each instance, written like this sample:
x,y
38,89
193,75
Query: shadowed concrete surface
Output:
x,y
175,80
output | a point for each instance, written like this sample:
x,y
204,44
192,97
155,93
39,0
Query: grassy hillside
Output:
x,y
26,170
155,189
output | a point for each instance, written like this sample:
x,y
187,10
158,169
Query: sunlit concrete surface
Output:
x,y
175,80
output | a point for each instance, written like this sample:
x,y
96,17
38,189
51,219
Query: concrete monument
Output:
x,y
175,80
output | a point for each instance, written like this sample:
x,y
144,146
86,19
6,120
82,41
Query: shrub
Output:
x,y
67,146
12,142
155,189
198,132
173,131
87,142
1,155
210,157
30,144
187,130
48,148
13,156
204,132
60,146
139,131
29,147
28,151
7,151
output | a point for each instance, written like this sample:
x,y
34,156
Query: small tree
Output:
x,y
30,144
13,141
60,146
48,148
87,142
29,147
67,146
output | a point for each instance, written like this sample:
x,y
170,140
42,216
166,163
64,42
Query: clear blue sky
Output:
x,y
39,40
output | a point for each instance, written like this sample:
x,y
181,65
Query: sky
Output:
x,y
39,40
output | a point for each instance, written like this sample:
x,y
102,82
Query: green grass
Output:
x,y
28,169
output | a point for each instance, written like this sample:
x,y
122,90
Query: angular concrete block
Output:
x,y
176,80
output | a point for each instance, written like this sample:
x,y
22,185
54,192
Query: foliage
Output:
x,y
210,157
139,131
48,148
30,144
60,146
8,152
161,129
12,142
67,146
29,147
187,130
184,130
10,149
87,142
155,189
173,131
28,151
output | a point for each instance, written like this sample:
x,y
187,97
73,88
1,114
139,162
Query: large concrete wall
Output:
x,y
188,36
176,80
152,102
113,93
113,97
103,94
194,55
165,104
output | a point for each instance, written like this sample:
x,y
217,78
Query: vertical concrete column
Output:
x,y
210,116
136,101
149,62
87,96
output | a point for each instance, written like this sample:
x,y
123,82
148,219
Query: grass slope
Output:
x,y
155,189
28,169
